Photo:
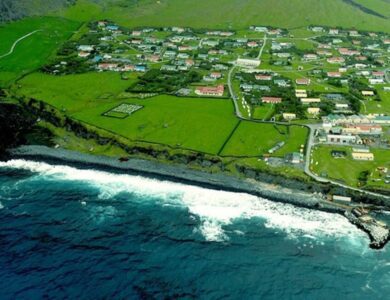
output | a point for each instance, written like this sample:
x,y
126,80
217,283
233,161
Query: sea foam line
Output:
x,y
214,208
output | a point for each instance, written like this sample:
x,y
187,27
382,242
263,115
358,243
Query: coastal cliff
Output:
x,y
15,122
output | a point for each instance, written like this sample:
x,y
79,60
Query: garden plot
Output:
x,y
122,111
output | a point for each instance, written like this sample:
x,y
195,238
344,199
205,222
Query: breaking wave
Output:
x,y
215,209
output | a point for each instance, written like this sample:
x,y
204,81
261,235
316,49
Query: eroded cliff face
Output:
x,y
17,9
15,122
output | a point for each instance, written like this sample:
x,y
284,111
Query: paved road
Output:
x,y
17,41
234,97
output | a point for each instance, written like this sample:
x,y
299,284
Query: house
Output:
x,y
313,110
294,158
127,68
348,52
136,33
107,66
301,93
341,138
334,74
376,80
310,57
112,28
169,54
281,83
168,68
271,100
248,63
216,75
302,81
289,116
333,31
384,120
189,62
367,156
341,199
260,29
335,60
378,74
210,91
368,93
83,54
140,68
263,77
342,106
85,48
310,100
252,44
367,129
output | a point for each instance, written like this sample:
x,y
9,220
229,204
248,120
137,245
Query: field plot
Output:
x,y
72,93
255,139
193,123
122,111
33,51
190,123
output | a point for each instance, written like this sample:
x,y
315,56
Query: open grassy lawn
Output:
x,y
193,123
74,92
346,169
200,124
255,139
263,112
231,13
33,51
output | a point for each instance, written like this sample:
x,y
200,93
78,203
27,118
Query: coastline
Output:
x,y
182,174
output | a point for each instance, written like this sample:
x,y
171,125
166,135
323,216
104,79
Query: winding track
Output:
x,y
16,42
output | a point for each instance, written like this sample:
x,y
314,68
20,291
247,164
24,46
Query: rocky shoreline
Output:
x,y
178,173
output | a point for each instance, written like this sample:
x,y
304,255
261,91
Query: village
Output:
x,y
336,81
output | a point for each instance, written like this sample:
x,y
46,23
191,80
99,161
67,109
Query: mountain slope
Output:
x,y
17,9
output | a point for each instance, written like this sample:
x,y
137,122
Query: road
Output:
x,y
17,41
231,91
262,47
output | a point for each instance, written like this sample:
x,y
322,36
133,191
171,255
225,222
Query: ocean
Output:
x,y
68,233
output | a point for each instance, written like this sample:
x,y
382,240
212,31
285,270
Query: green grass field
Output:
x,y
346,169
193,123
200,124
255,139
33,51
236,14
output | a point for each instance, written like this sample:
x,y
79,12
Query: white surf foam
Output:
x,y
215,209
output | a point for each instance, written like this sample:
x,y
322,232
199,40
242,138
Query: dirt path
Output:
x,y
17,41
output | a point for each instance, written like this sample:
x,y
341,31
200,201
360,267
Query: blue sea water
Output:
x,y
68,233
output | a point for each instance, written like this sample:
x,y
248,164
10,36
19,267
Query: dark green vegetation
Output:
x,y
13,132
156,81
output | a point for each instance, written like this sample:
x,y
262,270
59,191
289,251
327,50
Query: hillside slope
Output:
x,y
17,9
361,14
